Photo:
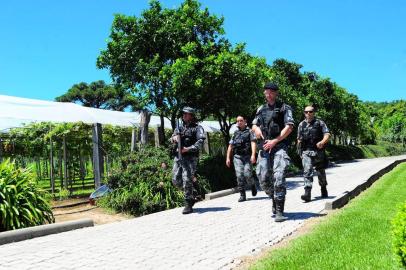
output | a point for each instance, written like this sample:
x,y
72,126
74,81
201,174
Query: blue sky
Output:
x,y
47,46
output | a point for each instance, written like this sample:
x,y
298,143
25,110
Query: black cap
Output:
x,y
271,86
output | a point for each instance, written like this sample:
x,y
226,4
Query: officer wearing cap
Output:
x,y
312,137
272,125
192,138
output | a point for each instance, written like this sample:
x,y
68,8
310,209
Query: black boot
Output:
x,y
188,207
324,193
280,205
242,196
273,206
253,190
307,196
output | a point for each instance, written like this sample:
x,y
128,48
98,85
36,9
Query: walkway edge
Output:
x,y
42,230
343,199
221,193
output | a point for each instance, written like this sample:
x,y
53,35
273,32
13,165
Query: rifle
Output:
x,y
299,149
177,132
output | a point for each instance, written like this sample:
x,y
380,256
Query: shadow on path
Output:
x,y
293,184
210,209
258,198
317,198
302,215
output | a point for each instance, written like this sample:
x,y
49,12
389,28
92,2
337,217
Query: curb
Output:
x,y
221,193
70,205
343,199
43,230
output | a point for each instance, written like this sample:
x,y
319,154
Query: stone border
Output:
x,y
42,230
70,205
220,193
343,199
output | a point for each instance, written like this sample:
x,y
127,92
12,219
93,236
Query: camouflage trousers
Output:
x,y
310,159
182,174
271,172
243,171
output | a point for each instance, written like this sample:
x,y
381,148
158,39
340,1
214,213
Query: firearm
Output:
x,y
299,149
177,132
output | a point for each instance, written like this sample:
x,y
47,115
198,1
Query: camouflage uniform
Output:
x,y
310,134
241,143
271,119
192,138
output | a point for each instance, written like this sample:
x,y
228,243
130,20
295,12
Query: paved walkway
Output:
x,y
213,237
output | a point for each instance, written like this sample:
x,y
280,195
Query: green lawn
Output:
x,y
357,237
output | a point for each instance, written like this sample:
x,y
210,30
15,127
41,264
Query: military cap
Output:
x,y
271,86
188,110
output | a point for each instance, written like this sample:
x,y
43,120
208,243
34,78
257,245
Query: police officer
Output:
x,y
243,147
272,124
312,137
192,138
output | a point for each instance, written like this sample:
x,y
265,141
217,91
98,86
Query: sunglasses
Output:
x,y
308,111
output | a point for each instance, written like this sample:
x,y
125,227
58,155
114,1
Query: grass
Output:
x,y
356,237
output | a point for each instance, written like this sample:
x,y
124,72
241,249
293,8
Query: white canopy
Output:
x,y
16,111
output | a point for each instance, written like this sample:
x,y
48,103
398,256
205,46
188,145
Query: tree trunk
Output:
x,y
161,130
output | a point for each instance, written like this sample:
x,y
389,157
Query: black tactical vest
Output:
x,y
189,135
311,134
242,142
272,120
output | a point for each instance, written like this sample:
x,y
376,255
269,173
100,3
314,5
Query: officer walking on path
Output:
x,y
272,124
243,147
312,137
191,141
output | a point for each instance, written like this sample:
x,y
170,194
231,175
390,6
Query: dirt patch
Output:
x,y
82,209
245,262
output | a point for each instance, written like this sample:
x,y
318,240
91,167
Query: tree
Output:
x,y
142,50
227,83
101,95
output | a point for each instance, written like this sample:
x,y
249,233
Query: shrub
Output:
x,y
22,204
214,170
143,184
399,235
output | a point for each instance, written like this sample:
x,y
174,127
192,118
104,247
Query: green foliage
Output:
x,y
22,204
100,95
399,235
389,120
142,50
143,184
213,168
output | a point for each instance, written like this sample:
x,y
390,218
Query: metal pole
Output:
x,y
97,154
65,162
51,161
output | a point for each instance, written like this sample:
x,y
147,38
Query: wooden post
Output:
x,y
51,166
65,163
97,155
133,139
1,150
206,144
158,136
145,118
